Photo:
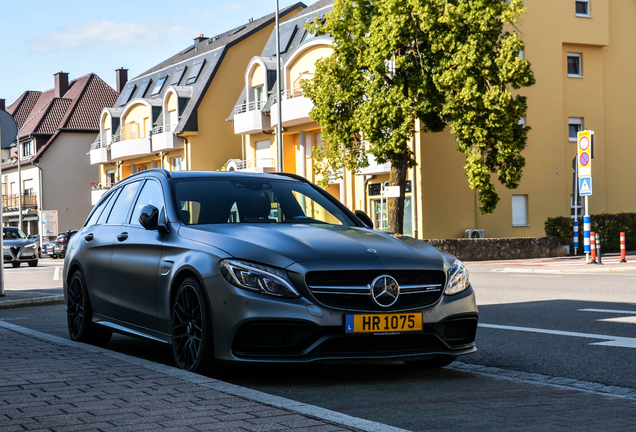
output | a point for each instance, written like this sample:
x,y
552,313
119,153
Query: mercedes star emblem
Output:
x,y
384,290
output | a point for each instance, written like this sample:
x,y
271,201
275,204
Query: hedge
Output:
x,y
609,227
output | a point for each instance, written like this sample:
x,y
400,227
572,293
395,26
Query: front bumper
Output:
x,y
20,256
253,327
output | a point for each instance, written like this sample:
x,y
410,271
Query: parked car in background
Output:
x,y
61,243
48,249
236,267
17,248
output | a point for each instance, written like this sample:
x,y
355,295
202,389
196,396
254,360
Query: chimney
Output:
x,y
200,39
61,84
122,79
2,106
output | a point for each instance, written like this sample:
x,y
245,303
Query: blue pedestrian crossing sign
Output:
x,y
585,186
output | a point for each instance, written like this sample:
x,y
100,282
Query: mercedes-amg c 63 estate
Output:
x,y
236,267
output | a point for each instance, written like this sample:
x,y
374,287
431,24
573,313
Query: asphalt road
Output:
x,y
571,326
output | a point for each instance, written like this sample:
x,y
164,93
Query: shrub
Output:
x,y
609,227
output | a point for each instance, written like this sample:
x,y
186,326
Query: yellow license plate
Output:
x,y
384,323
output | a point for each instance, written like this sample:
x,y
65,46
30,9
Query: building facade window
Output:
x,y
582,7
379,216
28,149
522,123
575,69
575,125
520,210
110,176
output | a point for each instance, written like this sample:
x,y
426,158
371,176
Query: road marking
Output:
x,y
56,274
616,341
609,311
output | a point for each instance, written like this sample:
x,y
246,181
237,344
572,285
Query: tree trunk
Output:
x,y
395,206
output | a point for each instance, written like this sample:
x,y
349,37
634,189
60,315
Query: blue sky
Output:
x,y
39,38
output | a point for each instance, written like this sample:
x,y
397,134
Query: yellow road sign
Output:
x,y
585,153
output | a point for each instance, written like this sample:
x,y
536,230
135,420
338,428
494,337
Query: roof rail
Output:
x,y
157,170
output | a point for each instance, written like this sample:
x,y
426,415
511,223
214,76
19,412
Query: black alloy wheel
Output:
x,y
78,314
16,264
192,346
33,263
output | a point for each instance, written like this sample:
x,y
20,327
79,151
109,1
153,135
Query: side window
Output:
x,y
98,211
122,206
152,193
109,205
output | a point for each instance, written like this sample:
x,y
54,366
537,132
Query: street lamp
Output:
x,y
279,128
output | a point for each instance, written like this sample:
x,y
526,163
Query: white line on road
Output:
x,y
56,274
609,311
615,341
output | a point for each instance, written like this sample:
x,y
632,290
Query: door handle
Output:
x,y
88,237
123,236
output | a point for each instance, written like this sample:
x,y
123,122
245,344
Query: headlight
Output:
x,y
457,278
258,278
31,246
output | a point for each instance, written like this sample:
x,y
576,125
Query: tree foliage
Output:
x,y
442,62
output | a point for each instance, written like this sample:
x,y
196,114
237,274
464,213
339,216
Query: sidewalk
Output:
x,y
569,264
49,383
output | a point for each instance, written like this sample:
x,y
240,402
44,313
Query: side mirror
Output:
x,y
29,236
149,219
364,218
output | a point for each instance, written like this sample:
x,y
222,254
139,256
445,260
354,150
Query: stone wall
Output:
x,y
499,248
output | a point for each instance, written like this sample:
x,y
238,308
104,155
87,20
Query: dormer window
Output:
x,y
157,89
194,72
28,148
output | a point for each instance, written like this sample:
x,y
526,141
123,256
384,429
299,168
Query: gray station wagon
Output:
x,y
235,267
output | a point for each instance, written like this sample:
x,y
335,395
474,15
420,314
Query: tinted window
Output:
x,y
150,194
98,211
109,205
254,200
119,213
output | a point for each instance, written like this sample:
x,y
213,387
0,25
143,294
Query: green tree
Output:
x,y
442,62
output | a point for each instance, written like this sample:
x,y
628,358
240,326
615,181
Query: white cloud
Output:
x,y
234,7
90,33
203,13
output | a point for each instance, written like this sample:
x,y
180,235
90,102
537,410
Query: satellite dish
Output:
x,y
8,129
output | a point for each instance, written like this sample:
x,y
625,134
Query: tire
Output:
x,y
78,314
33,263
433,363
192,343
16,265
54,256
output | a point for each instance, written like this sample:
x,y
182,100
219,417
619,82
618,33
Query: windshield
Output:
x,y
10,233
254,200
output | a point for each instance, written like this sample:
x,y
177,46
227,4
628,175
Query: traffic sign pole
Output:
x,y
584,173
576,234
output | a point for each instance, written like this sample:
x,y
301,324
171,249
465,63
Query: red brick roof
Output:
x,y
78,110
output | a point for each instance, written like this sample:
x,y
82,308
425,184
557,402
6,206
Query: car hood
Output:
x,y
17,242
282,245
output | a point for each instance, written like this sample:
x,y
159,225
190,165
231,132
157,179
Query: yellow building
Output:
x,y
580,55
173,115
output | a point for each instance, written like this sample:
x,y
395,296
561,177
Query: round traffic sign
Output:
x,y
585,159
584,143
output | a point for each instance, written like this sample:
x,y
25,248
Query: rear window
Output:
x,y
254,200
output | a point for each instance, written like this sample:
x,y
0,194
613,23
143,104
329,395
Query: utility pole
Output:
x,y
279,96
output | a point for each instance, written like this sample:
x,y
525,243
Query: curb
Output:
x,y
595,269
28,302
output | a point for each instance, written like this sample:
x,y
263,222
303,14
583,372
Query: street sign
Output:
x,y
585,153
8,129
585,186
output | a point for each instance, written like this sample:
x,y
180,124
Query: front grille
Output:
x,y
349,289
380,345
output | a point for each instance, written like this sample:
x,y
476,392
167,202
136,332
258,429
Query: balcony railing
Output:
x,y
256,163
12,202
130,136
163,129
290,94
251,106
100,144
